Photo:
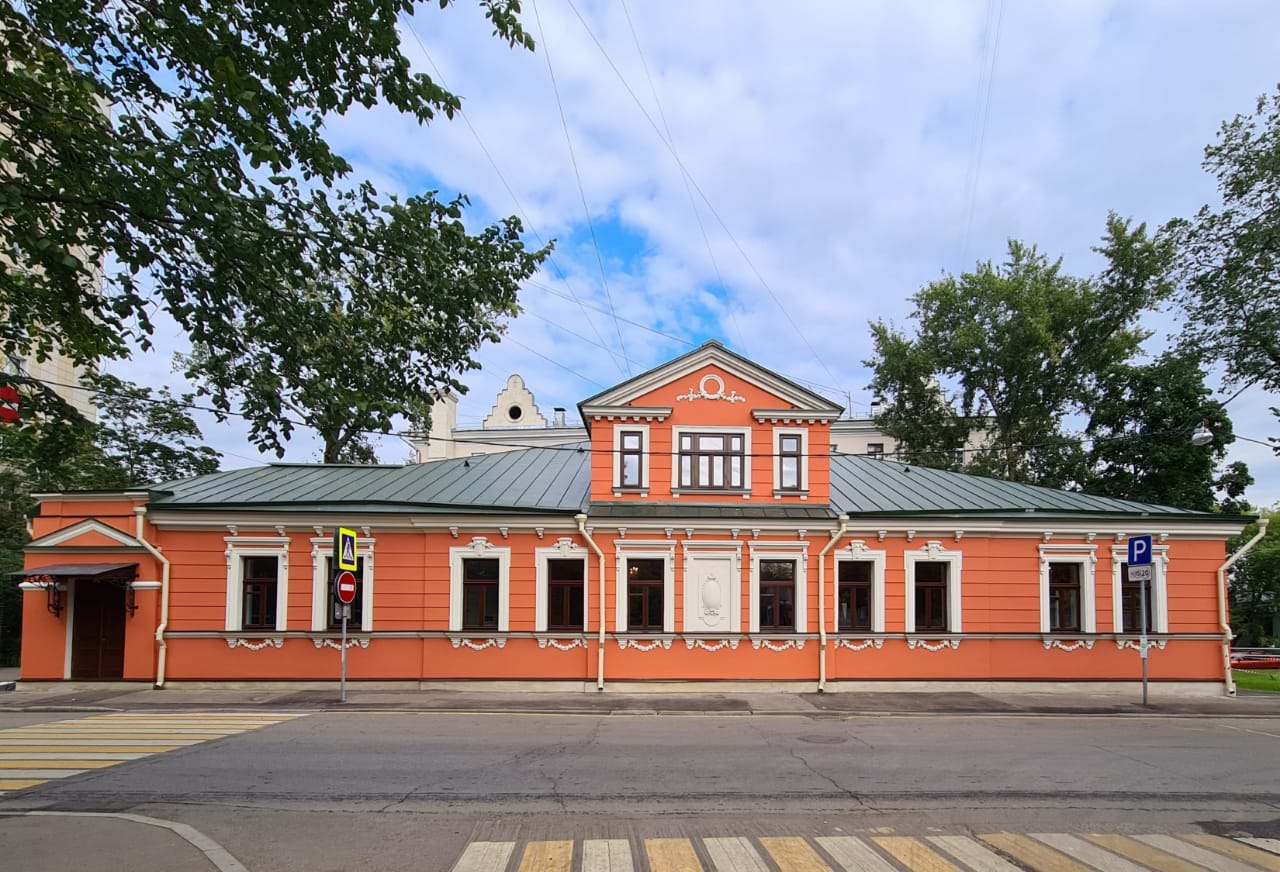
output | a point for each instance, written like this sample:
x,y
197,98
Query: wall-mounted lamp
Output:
x,y
1202,435
54,603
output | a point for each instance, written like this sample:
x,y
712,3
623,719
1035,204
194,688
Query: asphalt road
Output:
x,y
409,790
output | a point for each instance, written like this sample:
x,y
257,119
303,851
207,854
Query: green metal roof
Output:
x,y
556,481
867,486
542,480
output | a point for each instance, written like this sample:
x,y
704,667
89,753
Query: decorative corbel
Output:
x,y
319,530
1119,538
880,534
800,533
911,535
232,529
1048,534
1164,537
453,531
688,532
668,531
504,531
622,532
734,532
1089,537
279,529
539,531
755,533
959,535
367,531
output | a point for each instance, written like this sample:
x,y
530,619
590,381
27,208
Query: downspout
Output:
x,y
822,601
1227,635
582,528
139,512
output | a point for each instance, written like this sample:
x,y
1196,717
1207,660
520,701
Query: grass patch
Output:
x,y
1264,680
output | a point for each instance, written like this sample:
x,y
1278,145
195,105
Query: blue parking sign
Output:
x,y
1139,550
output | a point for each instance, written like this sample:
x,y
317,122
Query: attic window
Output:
x,y
515,413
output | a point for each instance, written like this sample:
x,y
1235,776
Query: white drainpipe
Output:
x,y
1227,635
582,528
140,512
822,602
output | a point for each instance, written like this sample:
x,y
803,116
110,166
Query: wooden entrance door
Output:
x,y
97,633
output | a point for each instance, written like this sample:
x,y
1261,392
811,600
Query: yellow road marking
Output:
x,y
18,785
671,855
7,748
794,855
1031,853
915,854
547,857
1144,855
56,764
1243,853
1194,854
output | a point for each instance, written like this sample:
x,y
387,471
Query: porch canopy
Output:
x,y
79,570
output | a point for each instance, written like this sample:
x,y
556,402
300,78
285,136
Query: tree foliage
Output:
x,y
1254,588
1020,344
1230,256
170,155
368,339
1140,426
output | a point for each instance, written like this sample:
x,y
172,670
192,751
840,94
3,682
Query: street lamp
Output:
x,y
1202,435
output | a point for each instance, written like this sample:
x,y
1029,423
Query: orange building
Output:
x,y
705,536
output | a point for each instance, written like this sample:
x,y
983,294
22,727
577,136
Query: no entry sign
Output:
x,y
346,588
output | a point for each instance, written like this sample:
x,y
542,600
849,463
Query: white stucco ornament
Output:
x,y
711,387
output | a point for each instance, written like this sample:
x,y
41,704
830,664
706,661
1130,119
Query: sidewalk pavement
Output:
x,y
117,696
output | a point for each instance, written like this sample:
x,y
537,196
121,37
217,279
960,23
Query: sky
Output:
x,y
776,176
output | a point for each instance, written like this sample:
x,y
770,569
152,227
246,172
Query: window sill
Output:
x,y
711,491
778,493
641,491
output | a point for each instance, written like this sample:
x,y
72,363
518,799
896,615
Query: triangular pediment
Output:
x,y
710,354
90,533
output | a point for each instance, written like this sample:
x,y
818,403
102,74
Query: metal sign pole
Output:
x,y
342,682
1142,588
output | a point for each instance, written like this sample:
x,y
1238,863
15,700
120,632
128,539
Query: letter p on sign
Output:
x,y
1139,550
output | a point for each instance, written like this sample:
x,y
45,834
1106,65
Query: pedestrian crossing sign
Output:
x,y
344,549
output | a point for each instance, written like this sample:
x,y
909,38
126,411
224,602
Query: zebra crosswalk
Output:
x,y
990,852
38,753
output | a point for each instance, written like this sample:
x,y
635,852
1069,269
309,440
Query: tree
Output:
x,y
370,338
1229,257
1141,425
150,438
1254,588
170,154
1023,343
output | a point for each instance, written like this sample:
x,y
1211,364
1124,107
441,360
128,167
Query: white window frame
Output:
x,y
744,432
858,552
1157,589
321,549
564,549
797,551
665,552
240,547
933,552
645,459
480,547
802,481
1086,556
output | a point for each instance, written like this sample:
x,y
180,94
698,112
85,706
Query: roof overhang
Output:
x,y
78,570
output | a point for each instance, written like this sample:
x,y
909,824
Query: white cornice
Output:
x,y
627,413
90,525
793,416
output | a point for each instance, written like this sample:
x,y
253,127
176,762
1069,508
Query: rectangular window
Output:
x,y
335,606
789,462
1131,603
565,593
261,579
1064,596
646,578
931,595
631,459
711,461
853,600
777,596
480,593
875,449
